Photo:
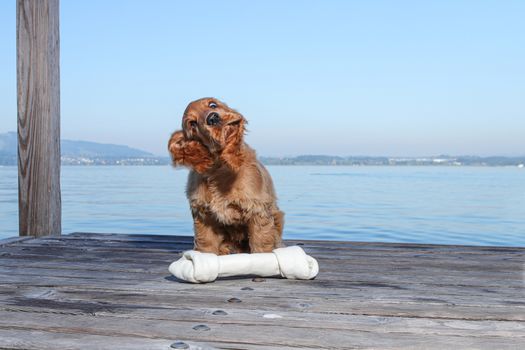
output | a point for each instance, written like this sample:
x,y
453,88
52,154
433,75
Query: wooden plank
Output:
x,y
345,245
267,317
23,339
110,289
411,279
308,334
482,262
429,302
12,240
482,272
469,257
424,281
16,338
38,82
275,298
126,237
367,253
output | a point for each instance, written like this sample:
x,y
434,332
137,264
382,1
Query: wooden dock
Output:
x,y
93,291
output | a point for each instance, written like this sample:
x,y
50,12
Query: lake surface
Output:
x,y
448,205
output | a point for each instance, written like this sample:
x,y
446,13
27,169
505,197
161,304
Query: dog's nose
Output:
x,y
213,118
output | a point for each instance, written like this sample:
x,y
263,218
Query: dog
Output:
x,y
231,194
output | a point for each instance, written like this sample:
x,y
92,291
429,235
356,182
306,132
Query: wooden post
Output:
x,y
38,83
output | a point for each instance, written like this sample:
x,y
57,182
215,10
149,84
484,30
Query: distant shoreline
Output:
x,y
440,161
85,153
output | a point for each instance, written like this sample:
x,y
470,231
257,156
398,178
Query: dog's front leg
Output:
x,y
207,238
263,233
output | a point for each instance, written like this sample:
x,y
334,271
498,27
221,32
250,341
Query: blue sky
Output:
x,y
326,77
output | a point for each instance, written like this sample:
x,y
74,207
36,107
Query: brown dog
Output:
x,y
231,194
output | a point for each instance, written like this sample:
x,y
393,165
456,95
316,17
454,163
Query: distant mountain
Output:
x,y
69,148
8,142
93,149
73,150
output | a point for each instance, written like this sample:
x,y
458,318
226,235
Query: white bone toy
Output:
x,y
290,262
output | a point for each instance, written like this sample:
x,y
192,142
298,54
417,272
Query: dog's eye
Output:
x,y
193,124
212,105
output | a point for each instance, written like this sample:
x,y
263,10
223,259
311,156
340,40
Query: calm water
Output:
x,y
467,205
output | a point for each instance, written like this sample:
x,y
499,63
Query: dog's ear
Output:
x,y
175,145
233,136
189,153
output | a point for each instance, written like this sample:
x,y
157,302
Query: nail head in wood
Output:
x,y
219,312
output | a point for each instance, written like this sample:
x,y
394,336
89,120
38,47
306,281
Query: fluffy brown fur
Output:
x,y
231,194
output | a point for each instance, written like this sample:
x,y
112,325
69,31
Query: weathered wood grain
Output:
x,y
38,87
237,315
11,240
16,338
354,333
84,290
